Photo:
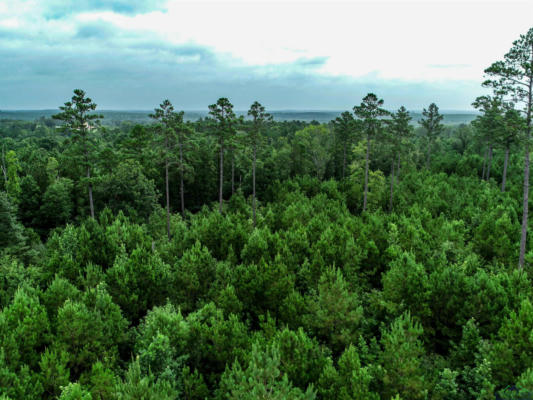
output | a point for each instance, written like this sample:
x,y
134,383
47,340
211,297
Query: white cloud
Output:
x,y
388,43
392,39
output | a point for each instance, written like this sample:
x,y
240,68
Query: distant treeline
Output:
x,y
112,117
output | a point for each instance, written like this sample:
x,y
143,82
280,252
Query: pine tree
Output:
x,y
260,119
513,78
224,129
78,123
433,126
370,113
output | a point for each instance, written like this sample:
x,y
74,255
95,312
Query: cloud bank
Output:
x,y
133,54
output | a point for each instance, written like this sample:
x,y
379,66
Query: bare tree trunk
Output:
x,y
485,164
525,204
428,160
398,170
182,194
91,202
391,184
232,173
253,184
504,175
344,160
168,198
366,171
90,185
489,164
4,168
221,176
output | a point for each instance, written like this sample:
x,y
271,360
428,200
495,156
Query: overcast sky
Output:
x,y
131,54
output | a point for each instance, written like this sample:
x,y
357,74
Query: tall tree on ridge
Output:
x,y
165,137
344,127
400,130
432,123
259,120
513,78
489,126
78,121
224,117
369,112
514,125
181,132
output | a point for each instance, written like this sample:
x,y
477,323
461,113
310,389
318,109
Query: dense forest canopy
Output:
x,y
367,257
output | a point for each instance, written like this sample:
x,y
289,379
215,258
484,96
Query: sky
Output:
x,y
288,55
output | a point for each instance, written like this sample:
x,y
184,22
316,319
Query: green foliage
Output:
x,y
402,359
314,149
74,391
335,313
138,386
127,189
514,345
13,181
11,232
57,205
300,295
90,330
261,378
24,328
138,282
54,372
348,381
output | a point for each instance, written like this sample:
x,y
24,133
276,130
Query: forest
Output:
x,y
370,257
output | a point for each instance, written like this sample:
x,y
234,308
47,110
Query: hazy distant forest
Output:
x,y
375,256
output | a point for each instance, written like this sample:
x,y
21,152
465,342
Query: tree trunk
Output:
x,y
489,163
91,203
366,171
232,173
505,161
182,194
90,185
525,204
4,168
484,164
398,169
428,160
253,184
221,176
344,160
167,190
391,184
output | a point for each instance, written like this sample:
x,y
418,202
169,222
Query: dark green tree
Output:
x,y
169,123
433,127
400,131
260,119
261,379
489,126
402,359
513,78
11,231
224,129
13,180
370,112
79,122
344,127
513,127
